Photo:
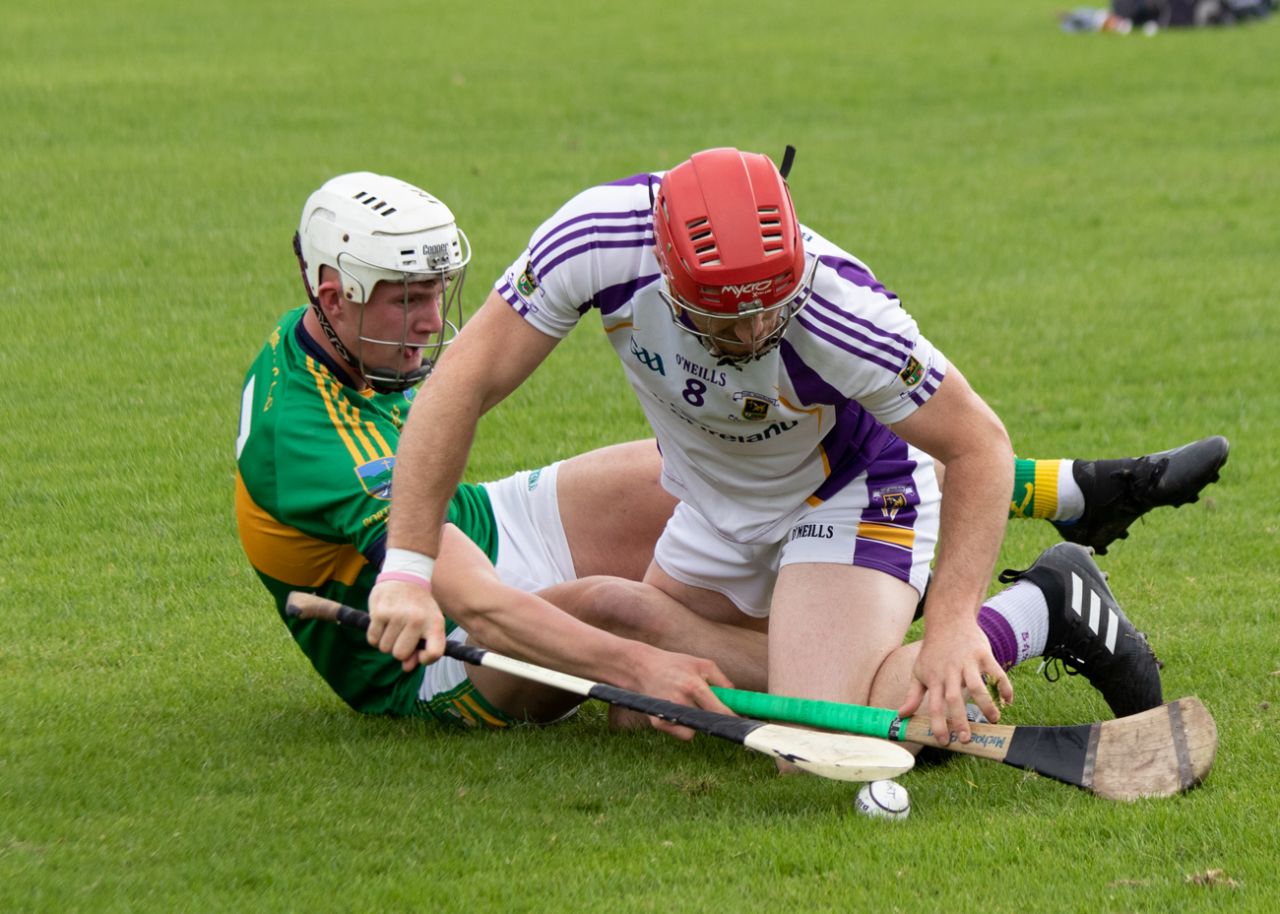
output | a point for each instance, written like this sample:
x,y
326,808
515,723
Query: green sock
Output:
x,y
1035,488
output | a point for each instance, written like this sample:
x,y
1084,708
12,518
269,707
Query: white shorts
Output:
x,y
885,519
533,553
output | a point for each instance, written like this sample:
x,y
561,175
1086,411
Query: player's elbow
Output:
x,y
481,610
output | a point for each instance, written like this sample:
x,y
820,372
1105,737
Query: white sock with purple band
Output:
x,y
1016,622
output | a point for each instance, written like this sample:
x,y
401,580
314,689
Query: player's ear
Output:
x,y
329,292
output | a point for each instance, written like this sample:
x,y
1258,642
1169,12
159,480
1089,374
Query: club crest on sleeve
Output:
x,y
527,284
892,499
912,372
375,477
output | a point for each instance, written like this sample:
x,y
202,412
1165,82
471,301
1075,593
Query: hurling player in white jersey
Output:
x,y
799,411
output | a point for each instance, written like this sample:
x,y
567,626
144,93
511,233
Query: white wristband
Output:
x,y
407,560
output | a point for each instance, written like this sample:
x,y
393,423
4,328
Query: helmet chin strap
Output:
x,y
381,383
327,327
386,385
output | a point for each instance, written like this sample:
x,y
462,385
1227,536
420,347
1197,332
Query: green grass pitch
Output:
x,y
1086,224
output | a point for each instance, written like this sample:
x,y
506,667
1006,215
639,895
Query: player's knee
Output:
x,y
626,608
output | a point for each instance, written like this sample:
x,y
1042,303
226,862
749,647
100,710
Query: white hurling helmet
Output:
x,y
373,228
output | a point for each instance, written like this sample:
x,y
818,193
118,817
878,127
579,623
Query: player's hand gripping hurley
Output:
x,y
836,756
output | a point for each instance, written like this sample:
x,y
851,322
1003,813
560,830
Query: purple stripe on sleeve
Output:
x,y
614,297
643,178
858,275
835,318
593,246
545,250
551,236
509,296
802,320
927,388
863,322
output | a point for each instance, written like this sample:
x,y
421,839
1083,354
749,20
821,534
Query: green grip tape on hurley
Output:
x,y
829,715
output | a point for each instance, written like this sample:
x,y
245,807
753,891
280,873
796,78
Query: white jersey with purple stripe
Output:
x,y
749,445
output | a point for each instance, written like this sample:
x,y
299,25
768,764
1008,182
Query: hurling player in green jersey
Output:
x,y
321,413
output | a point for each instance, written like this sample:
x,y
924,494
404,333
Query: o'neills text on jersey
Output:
x,y
698,371
816,531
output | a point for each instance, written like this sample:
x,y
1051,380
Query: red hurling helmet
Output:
x,y
728,241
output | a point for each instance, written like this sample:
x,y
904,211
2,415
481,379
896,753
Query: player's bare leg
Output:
x,y
644,612
832,627
521,699
735,641
613,508
638,611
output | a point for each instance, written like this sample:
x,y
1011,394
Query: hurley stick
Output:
x,y
1157,753
831,755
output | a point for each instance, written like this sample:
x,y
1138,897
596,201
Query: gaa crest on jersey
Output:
x,y
650,360
527,284
892,499
375,477
755,407
912,372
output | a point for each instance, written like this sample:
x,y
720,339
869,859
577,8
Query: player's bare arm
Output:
x,y
526,626
957,427
489,358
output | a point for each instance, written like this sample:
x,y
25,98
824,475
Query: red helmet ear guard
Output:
x,y
726,234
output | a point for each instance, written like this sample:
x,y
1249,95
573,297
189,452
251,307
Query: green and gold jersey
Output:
x,y
313,488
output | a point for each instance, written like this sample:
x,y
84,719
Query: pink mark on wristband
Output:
x,y
406,577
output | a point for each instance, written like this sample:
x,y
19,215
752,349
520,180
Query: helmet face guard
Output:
x,y
729,246
386,380
714,329
370,229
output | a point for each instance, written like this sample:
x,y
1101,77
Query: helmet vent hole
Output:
x,y
704,241
377,204
771,230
